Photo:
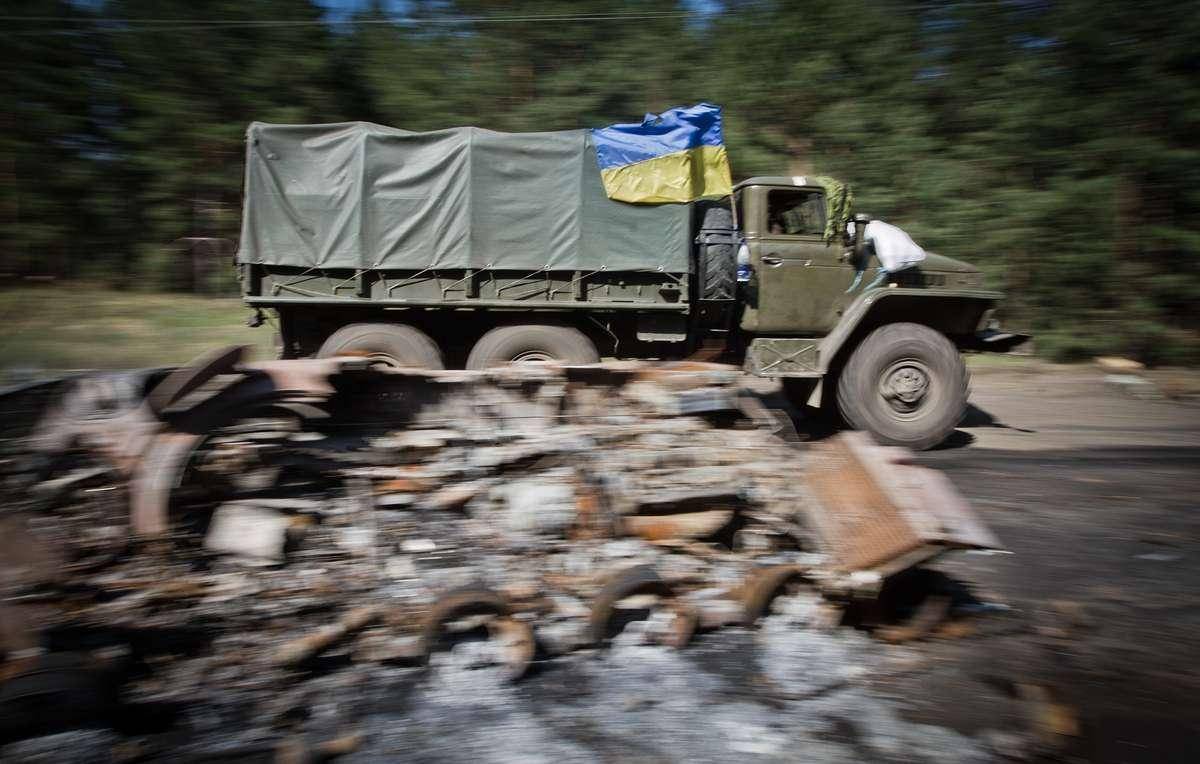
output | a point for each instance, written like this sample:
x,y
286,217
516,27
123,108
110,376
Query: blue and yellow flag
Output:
x,y
676,156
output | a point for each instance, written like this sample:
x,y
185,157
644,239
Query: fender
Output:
x,y
954,312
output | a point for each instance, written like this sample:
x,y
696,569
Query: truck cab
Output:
x,y
883,349
800,280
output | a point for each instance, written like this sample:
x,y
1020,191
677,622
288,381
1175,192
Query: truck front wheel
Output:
x,y
395,345
533,342
906,384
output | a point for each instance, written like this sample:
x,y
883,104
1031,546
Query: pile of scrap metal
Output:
x,y
217,533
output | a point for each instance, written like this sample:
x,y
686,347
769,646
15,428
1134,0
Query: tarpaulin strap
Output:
x,y
300,276
583,276
523,281
348,279
408,280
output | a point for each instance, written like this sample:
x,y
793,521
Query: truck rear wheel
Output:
x,y
906,384
533,342
395,345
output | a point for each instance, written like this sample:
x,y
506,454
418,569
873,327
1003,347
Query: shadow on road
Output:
x,y
977,417
956,439
816,425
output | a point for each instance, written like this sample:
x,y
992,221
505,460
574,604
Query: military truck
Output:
x,y
471,248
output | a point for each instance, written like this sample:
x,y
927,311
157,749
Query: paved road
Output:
x,y
1096,494
1045,408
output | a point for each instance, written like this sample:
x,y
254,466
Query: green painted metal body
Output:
x,y
799,315
806,303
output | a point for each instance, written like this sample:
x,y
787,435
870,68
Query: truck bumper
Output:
x,y
994,340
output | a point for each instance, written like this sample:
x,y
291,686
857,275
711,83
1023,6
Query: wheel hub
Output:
x,y
904,385
384,361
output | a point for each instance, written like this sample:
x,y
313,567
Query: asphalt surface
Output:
x,y
1095,493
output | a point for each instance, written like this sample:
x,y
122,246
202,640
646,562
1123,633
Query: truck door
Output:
x,y
801,280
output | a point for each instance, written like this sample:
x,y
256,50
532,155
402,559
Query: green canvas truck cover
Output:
x,y
362,196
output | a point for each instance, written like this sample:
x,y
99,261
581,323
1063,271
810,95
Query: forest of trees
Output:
x,y
1051,142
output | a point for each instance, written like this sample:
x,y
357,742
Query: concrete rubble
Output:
x,y
307,559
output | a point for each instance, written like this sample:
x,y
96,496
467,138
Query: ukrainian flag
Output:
x,y
676,156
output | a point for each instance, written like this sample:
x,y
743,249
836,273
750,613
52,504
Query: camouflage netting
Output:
x,y
839,202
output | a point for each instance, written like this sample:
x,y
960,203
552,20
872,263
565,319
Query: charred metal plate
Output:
x,y
876,511
188,378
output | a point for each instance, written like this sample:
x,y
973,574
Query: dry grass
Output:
x,y
61,327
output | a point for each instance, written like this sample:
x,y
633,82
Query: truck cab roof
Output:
x,y
798,181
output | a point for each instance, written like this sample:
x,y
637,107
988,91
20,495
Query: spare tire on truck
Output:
x,y
718,254
532,342
395,345
906,384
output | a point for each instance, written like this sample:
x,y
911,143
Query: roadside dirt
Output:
x,y
1095,493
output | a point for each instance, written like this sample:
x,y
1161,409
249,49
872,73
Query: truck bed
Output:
x,y
458,288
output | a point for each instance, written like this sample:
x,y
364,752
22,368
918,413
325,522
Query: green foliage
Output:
x,y
1051,143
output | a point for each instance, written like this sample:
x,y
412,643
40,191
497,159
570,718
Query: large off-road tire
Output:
x,y
906,384
720,256
395,345
532,342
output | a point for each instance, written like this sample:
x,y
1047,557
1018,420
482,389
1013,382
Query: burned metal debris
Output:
x,y
221,534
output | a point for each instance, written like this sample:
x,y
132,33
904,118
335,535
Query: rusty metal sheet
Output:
x,y
681,525
309,375
875,511
188,378
153,479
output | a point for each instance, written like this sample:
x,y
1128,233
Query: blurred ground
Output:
x,y
1095,492
1091,483
1091,489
